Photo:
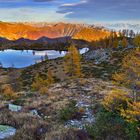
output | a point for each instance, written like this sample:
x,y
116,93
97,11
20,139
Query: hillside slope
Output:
x,y
14,31
91,34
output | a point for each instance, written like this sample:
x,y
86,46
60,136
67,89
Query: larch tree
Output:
x,y
8,92
124,42
73,62
119,101
132,113
130,74
115,99
38,83
111,39
120,34
137,41
115,43
41,84
110,42
50,79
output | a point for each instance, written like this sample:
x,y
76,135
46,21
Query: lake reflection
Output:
x,y
21,59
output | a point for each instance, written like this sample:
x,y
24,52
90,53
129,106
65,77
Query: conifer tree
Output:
x,y
130,73
50,79
110,42
120,34
132,113
114,100
119,101
41,84
115,43
38,83
124,42
72,62
8,92
137,41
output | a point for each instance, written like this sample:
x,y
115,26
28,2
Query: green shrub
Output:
x,y
19,101
67,112
110,126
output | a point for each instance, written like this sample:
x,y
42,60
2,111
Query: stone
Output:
x,y
15,108
86,118
34,112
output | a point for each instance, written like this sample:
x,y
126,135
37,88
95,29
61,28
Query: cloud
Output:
x,y
102,10
43,0
74,4
11,0
30,14
71,10
25,0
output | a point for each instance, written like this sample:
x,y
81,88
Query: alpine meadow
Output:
x,y
69,70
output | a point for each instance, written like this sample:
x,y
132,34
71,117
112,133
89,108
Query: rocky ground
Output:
x,y
46,110
68,105
102,65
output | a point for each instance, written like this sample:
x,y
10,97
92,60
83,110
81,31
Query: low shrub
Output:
x,y
68,112
109,125
8,93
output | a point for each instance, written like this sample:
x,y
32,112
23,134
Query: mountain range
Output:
x,y
121,26
43,34
34,31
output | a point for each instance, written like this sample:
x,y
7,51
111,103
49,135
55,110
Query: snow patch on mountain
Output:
x,y
121,26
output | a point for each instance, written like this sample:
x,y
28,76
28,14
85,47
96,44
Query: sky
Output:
x,y
82,11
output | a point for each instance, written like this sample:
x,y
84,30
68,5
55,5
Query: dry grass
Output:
x,y
28,128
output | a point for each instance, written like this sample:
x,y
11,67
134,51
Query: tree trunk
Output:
x,y
134,96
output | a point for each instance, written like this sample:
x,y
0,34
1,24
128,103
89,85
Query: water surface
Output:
x,y
6,131
24,58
